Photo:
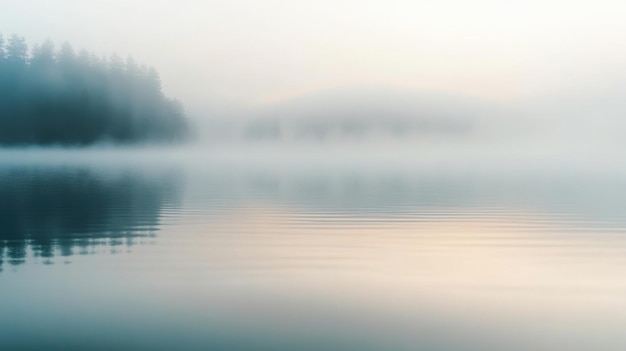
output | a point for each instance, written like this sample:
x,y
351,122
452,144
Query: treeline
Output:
x,y
51,96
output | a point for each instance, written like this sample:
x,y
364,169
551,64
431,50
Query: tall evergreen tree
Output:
x,y
17,50
2,53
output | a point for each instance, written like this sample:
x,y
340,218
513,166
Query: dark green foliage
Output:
x,y
58,97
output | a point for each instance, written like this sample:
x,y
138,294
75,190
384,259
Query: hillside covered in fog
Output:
x,y
367,114
59,97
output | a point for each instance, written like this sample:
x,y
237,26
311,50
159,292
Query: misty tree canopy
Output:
x,y
50,96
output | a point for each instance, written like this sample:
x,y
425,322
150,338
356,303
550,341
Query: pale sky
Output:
x,y
259,51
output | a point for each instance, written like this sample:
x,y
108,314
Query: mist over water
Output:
x,y
312,175
565,126
358,220
227,253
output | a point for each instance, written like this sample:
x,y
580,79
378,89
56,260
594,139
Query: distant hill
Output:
x,y
60,97
365,113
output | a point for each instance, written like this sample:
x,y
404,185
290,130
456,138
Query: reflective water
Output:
x,y
224,256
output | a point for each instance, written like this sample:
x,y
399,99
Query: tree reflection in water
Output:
x,y
47,213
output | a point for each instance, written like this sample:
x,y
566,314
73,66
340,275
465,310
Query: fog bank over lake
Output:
x,y
305,175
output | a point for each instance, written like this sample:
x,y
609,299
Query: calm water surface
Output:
x,y
234,257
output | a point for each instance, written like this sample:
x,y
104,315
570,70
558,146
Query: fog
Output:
x,y
533,77
312,175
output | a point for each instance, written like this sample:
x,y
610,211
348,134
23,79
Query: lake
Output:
x,y
229,254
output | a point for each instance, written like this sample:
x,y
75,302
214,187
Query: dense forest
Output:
x,y
51,96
